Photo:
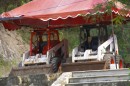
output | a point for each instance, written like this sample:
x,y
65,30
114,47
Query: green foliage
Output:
x,y
72,34
11,4
98,7
118,20
123,38
122,34
107,9
2,61
6,65
25,34
127,2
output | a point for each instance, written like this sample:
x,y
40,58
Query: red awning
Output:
x,y
53,13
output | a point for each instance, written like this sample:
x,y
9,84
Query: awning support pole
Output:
x,y
113,38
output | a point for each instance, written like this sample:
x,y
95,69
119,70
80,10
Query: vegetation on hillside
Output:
x,y
6,5
123,37
6,65
72,34
25,34
125,2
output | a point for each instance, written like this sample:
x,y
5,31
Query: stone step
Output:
x,y
99,78
118,77
102,83
100,73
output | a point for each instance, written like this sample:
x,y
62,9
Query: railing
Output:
x,y
102,48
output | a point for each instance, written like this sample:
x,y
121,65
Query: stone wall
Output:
x,y
31,80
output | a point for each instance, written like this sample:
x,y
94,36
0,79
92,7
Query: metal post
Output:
x,y
113,39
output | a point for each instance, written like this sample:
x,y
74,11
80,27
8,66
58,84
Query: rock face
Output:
x,y
11,44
